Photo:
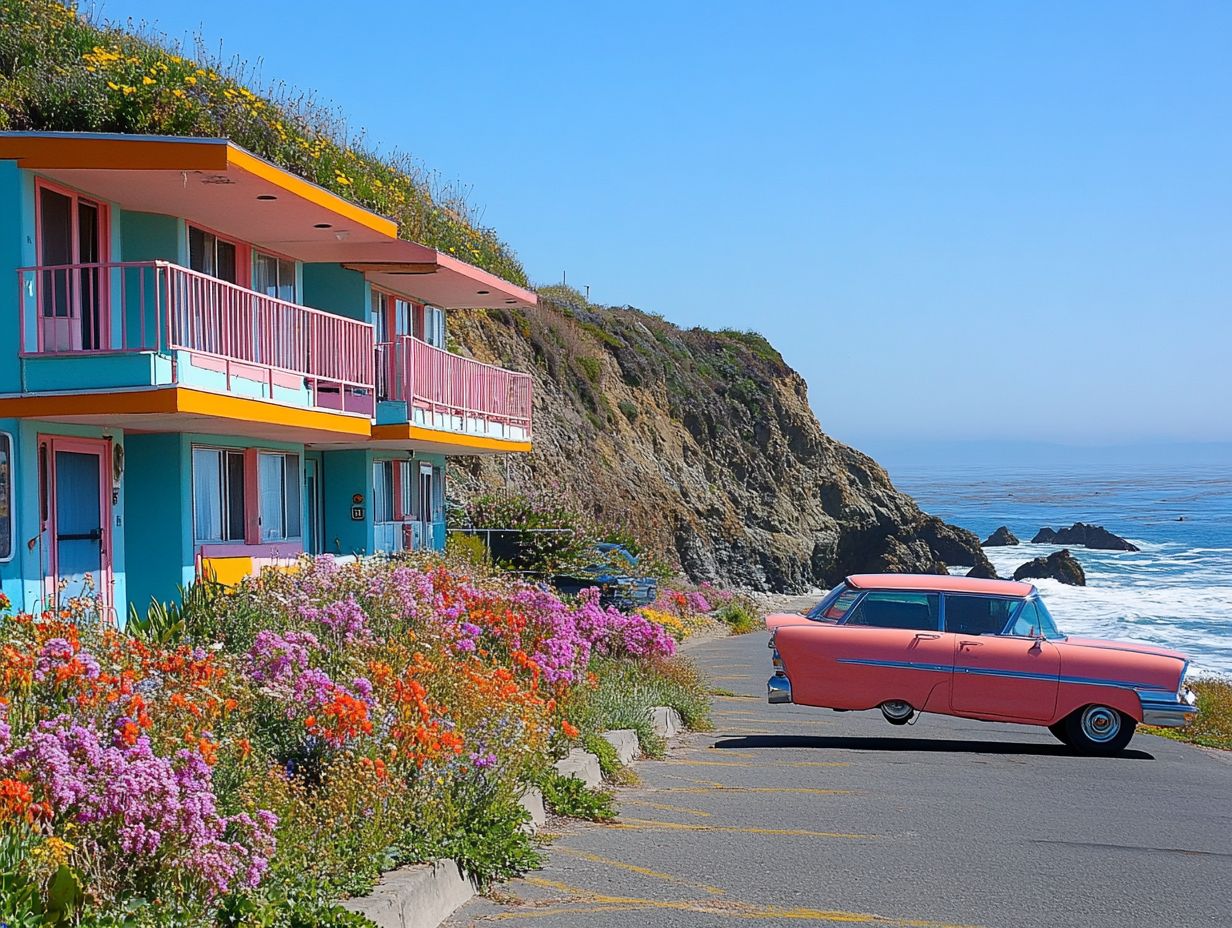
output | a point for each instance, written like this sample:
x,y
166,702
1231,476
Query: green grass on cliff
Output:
x,y
62,71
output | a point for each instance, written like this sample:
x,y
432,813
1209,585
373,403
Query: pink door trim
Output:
x,y
92,446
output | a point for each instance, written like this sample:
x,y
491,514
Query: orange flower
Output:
x,y
16,801
570,731
245,747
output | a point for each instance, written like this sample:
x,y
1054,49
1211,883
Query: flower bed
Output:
x,y
290,739
701,610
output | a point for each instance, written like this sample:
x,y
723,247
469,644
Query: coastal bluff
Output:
x,y
704,443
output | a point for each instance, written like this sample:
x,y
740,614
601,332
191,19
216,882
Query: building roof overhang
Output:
x,y
225,188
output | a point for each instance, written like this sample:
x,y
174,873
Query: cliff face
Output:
x,y
702,442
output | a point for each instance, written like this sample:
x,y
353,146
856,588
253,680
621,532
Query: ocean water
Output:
x,y
1176,592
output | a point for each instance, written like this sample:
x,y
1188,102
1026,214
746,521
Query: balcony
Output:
x,y
153,323
420,384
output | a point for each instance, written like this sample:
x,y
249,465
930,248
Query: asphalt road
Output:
x,y
789,814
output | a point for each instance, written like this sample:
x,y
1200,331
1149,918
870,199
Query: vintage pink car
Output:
x,y
980,649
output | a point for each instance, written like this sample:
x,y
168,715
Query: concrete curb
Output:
x,y
667,722
532,801
624,740
415,897
580,764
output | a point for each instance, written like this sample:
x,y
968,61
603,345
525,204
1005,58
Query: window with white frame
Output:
x,y
434,326
273,276
383,491
438,494
278,493
218,495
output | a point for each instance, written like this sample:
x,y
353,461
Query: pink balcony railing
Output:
x,y
453,392
77,309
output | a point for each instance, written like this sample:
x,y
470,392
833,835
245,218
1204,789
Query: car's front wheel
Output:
x,y
1098,730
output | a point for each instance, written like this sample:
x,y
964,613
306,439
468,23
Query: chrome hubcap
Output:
x,y
896,709
1101,724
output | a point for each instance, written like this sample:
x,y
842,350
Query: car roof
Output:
x,y
939,583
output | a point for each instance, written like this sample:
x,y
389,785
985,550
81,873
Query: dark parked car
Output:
x,y
615,572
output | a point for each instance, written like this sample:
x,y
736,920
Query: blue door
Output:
x,y
80,557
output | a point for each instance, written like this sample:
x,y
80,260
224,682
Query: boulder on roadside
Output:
x,y
1095,537
1060,565
1001,538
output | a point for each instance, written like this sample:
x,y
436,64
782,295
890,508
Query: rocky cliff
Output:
x,y
704,443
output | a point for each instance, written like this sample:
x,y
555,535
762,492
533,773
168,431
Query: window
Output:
x,y
212,255
278,491
919,611
834,607
434,326
978,615
218,495
273,276
6,496
383,491
407,486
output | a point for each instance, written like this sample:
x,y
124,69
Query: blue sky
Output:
x,y
956,220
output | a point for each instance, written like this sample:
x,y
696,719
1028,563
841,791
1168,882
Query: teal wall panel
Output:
x,y
345,474
157,523
337,290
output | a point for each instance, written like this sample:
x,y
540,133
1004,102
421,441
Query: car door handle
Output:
x,y
926,635
970,644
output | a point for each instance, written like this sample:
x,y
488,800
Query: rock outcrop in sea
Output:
x,y
1001,538
1088,536
1060,565
702,442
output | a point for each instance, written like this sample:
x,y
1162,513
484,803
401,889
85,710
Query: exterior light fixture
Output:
x,y
266,196
483,292
323,225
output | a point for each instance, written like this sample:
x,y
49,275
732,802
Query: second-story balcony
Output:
x,y
427,386
153,323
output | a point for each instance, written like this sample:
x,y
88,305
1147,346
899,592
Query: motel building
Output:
x,y
209,365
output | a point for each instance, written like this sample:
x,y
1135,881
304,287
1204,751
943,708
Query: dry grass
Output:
x,y
1213,726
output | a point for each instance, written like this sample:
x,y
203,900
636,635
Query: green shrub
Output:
x,y
572,798
467,548
740,615
591,367
629,409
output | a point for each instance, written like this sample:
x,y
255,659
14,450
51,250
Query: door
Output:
x,y
71,248
889,647
425,503
79,515
1007,672
312,501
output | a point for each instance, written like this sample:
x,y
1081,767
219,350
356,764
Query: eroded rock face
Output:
x,y
1060,565
1088,536
703,442
1001,538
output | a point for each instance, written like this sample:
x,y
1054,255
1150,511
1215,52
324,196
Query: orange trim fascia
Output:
x,y
404,432
171,400
82,151
309,191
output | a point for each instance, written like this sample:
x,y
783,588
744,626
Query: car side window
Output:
x,y
1027,622
978,615
918,611
837,609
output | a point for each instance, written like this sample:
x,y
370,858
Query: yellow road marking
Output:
x,y
718,787
640,823
663,806
711,783
740,763
730,908
634,868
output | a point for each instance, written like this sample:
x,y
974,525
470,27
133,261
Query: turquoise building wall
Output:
x,y
334,288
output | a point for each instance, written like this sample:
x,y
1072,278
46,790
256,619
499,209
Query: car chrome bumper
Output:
x,y
778,689
1168,711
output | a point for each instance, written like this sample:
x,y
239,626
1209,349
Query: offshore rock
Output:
x,y
701,442
1060,565
1001,538
1088,536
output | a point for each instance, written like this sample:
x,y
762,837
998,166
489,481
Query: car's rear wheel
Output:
x,y
897,712
1099,729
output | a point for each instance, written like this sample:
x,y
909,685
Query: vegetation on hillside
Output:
x,y
61,71
1213,726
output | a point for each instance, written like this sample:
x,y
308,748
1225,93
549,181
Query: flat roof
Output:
x,y
939,583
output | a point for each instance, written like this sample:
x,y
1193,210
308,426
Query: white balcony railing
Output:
x,y
452,392
80,309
